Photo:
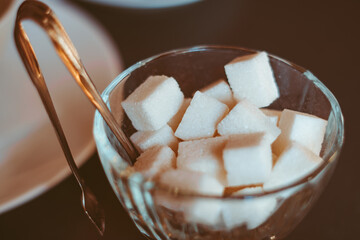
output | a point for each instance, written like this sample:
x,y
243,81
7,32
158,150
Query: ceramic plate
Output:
x,y
145,3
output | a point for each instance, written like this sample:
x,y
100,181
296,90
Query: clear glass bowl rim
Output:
x,y
339,120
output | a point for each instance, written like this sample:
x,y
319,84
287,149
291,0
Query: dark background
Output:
x,y
322,36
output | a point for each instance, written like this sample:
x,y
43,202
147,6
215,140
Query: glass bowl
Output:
x,y
163,213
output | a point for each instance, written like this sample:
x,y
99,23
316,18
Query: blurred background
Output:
x,y
37,198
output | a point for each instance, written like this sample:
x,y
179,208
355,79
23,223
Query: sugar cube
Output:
x,y
221,91
251,77
144,140
247,159
154,161
153,103
204,211
251,212
191,182
176,119
303,128
247,118
203,155
201,117
274,115
295,162
198,210
195,210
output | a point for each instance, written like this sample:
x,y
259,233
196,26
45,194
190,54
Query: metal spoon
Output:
x,y
44,16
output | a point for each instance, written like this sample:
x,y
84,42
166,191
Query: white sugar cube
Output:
x,y
144,140
247,118
201,117
251,77
221,91
295,162
176,119
274,115
192,182
204,211
154,161
196,210
303,128
204,155
251,212
153,103
247,159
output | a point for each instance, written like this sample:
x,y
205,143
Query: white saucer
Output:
x,y
145,3
31,160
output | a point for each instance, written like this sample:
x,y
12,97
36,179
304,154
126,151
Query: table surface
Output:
x,y
322,36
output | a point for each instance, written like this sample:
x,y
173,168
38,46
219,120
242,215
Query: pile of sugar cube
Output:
x,y
223,138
